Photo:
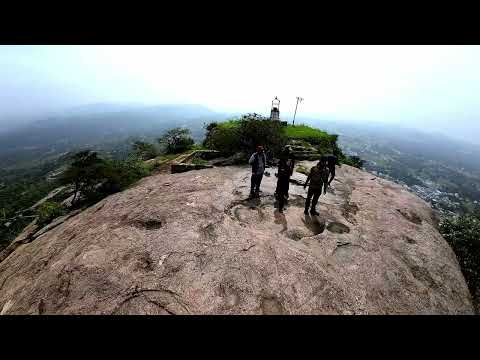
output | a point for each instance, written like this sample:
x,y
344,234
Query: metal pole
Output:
x,y
295,112
296,106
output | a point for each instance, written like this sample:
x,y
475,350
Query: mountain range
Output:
x,y
102,124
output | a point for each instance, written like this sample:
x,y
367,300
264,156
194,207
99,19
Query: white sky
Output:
x,y
412,85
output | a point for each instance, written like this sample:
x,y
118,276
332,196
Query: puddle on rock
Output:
x,y
314,224
338,228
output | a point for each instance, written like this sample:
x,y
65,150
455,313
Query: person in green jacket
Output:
x,y
318,179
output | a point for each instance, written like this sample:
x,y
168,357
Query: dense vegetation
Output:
x,y
244,134
88,174
323,141
20,189
93,177
463,235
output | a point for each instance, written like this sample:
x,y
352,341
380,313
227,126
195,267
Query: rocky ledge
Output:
x,y
192,243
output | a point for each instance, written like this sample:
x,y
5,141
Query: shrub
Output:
x,y
463,235
119,174
242,135
223,137
48,211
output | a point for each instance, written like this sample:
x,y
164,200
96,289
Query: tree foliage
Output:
x,y
463,235
176,140
49,210
86,171
93,177
144,150
244,134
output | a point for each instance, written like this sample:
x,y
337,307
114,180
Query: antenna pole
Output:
x,y
296,106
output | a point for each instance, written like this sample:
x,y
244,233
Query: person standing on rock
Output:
x,y
285,171
258,161
331,161
318,179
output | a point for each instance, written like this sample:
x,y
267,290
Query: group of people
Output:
x,y
319,178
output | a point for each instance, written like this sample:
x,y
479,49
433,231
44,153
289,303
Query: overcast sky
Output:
x,y
434,87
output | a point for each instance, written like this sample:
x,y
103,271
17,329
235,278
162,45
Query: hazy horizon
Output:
x,y
432,88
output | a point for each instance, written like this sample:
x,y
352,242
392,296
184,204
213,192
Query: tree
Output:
x,y
94,178
84,173
176,140
144,151
258,130
242,135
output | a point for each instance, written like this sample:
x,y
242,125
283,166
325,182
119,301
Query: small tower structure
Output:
x,y
275,112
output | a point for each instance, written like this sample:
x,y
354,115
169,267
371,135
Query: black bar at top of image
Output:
x,y
240,23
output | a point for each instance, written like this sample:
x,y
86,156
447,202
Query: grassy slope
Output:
x,y
297,132
304,132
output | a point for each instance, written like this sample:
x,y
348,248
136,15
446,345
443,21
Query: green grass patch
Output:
x,y
198,147
198,161
321,140
166,157
304,132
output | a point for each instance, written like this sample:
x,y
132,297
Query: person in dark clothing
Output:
x,y
258,161
331,161
285,171
318,179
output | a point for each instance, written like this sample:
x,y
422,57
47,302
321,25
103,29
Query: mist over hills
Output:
x,y
98,124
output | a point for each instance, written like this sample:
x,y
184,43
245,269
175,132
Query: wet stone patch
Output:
x,y
338,228
315,224
150,224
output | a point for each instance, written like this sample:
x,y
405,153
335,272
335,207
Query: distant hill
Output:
x,y
98,124
441,170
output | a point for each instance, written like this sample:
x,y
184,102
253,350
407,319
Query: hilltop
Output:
x,y
191,243
181,241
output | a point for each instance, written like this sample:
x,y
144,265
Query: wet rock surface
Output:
x,y
193,243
